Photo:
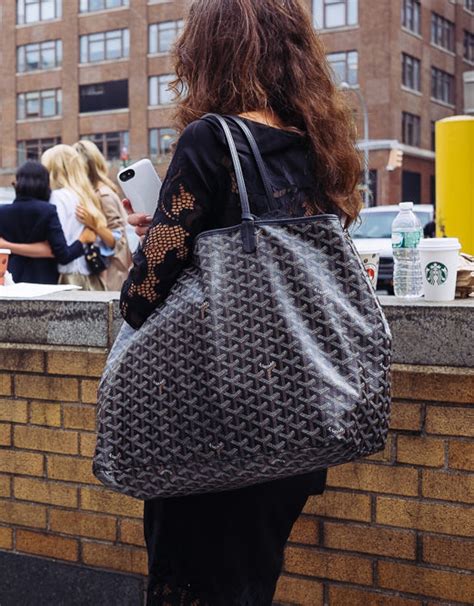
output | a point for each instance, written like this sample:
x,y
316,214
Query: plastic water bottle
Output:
x,y
406,235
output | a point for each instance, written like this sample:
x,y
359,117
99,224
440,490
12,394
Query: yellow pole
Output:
x,y
455,180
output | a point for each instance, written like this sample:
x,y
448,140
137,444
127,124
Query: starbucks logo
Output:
x,y
436,273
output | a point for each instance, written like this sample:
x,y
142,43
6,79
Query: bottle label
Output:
x,y
406,239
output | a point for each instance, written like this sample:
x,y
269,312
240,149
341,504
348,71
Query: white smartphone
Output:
x,y
141,185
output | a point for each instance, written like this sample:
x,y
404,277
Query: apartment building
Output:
x,y
87,68
100,69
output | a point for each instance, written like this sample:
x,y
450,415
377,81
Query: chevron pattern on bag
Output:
x,y
256,367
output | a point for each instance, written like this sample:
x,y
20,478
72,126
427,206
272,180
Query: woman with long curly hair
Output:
x,y
263,61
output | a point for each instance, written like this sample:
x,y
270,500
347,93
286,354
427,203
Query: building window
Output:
x,y
159,92
411,129
411,15
105,46
468,46
42,55
373,186
89,6
32,11
442,86
33,149
110,144
433,135
160,141
469,5
334,13
39,104
162,36
411,186
411,70
344,65
442,32
103,96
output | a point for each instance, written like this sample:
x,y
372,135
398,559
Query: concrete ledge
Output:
x,y
423,332
31,581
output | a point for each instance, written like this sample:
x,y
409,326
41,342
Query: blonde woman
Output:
x,y
96,165
73,195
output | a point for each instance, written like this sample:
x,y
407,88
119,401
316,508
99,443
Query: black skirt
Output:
x,y
223,549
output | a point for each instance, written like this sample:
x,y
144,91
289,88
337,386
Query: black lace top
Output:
x,y
200,193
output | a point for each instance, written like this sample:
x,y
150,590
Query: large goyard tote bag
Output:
x,y
269,358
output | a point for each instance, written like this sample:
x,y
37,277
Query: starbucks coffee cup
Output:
x,y
4,255
439,264
371,260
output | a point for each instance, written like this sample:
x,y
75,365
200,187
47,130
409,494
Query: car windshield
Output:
x,y
379,225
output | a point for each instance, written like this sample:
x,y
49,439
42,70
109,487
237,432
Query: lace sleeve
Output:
x,y
183,211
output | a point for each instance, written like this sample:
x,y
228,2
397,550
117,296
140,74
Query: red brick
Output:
x,y
461,454
432,517
5,385
49,440
342,505
448,551
47,545
70,469
23,360
450,420
79,417
5,434
370,539
126,559
131,531
328,565
416,450
5,486
82,364
87,444
42,387
15,411
427,582
349,596
83,524
299,592
375,478
22,514
448,486
45,413
305,531
435,384
110,502
406,416
6,538
44,491
21,463
89,391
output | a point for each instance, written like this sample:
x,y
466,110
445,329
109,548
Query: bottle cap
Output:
x,y
406,205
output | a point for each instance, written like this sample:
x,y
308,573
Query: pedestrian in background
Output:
x,y
261,60
31,229
74,196
120,261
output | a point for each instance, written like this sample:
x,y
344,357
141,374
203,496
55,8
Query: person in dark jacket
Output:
x,y
30,228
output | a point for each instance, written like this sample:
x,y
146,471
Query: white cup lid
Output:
x,y
406,205
439,244
5,251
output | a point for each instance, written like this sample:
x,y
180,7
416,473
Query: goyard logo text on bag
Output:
x,y
436,273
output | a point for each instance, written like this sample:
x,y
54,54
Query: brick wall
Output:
x,y
392,530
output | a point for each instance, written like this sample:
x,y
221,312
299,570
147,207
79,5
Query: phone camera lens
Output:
x,y
127,175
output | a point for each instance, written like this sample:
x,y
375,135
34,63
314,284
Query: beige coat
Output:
x,y
121,261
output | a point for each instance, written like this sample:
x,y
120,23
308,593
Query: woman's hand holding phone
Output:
x,y
140,221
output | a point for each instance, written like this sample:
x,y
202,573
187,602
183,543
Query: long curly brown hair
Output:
x,y
239,56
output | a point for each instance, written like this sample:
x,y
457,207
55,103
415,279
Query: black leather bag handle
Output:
x,y
262,169
249,237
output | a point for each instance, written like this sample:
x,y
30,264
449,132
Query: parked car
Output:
x,y
373,231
